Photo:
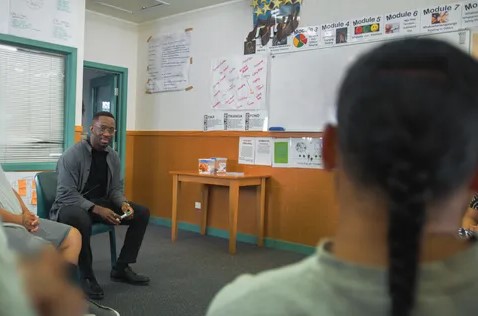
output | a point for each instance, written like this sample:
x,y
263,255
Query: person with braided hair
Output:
x,y
404,153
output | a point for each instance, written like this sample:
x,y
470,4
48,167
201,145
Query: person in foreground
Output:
x,y
90,190
405,161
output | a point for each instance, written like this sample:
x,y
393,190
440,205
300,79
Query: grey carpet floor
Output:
x,y
185,275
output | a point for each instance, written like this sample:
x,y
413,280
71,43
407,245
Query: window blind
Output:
x,y
32,105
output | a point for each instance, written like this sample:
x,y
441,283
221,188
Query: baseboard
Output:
x,y
250,239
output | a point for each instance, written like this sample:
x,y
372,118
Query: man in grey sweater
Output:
x,y
90,190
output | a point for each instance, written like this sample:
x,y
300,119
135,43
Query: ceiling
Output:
x,y
140,11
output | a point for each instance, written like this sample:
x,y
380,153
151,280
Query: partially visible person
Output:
x,y
470,220
90,190
14,211
47,287
405,160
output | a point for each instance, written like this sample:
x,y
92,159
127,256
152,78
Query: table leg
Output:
x,y
233,210
174,215
261,199
204,206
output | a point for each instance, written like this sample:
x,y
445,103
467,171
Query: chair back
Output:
x,y
46,192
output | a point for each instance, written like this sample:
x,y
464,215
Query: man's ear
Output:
x,y
91,128
329,143
474,182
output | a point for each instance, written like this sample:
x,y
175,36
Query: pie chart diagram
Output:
x,y
300,40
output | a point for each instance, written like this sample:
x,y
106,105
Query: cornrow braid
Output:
x,y
408,196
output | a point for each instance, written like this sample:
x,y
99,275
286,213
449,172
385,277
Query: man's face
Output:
x,y
102,130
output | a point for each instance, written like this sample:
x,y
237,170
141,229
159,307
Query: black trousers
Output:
x,y
77,217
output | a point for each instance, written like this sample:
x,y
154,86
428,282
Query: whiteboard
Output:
x,y
303,85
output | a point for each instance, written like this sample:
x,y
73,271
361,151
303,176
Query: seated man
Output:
x,y
90,190
13,211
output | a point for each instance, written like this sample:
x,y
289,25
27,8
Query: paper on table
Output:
x,y
246,150
263,151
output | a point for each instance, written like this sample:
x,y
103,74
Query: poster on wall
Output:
x,y
234,121
302,38
470,14
239,83
213,122
256,121
51,21
441,18
367,28
402,23
273,22
169,58
336,33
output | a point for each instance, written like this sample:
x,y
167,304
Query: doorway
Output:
x,y
105,89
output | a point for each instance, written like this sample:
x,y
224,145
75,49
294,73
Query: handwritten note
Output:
x,y
239,83
168,62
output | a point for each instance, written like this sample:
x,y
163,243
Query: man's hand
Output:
x,y
108,215
30,221
126,208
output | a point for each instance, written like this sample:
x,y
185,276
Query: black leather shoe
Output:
x,y
127,275
92,289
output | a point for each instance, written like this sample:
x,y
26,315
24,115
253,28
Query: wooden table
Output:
x,y
234,183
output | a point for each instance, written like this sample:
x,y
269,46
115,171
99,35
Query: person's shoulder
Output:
x,y
277,289
74,149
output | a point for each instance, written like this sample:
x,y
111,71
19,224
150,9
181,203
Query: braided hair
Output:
x,y
407,126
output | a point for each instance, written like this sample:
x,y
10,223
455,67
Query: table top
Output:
x,y
222,176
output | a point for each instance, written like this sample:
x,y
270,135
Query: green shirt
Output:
x,y
324,285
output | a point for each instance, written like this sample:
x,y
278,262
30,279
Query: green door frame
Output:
x,y
121,106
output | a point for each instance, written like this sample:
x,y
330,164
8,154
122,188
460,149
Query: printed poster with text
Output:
x,y
213,122
441,18
369,28
402,23
302,38
469,14
336,33
239,83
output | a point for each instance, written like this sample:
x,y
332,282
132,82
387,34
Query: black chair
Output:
x,y
46,183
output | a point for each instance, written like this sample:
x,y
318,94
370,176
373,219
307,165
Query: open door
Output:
x,y
104,97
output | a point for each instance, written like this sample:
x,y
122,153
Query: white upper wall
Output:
x,y
220,31
114,42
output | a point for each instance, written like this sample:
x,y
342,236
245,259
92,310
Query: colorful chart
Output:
x,y
300,40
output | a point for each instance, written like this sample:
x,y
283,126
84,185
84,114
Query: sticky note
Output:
x,y
22,187
34,198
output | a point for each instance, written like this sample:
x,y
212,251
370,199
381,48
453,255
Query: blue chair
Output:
x,y
46,183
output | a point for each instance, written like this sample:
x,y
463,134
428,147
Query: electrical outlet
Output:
x,y
197,205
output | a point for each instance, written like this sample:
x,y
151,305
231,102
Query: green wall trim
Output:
x,y
246,238
40,166
122,102
71,59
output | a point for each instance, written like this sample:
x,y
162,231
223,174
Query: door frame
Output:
x,y
121,106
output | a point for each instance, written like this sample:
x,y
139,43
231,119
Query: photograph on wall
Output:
x,y
441,18
273,21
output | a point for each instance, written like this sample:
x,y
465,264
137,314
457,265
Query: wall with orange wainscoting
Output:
x,y
300,209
